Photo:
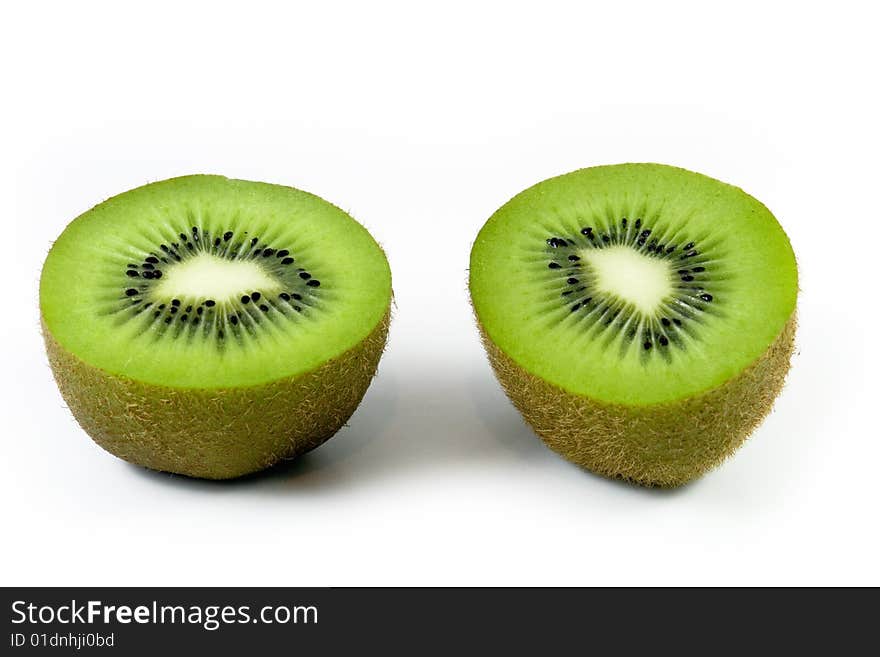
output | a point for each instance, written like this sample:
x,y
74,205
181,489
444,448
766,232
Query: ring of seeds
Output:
x,y
288,288
658,312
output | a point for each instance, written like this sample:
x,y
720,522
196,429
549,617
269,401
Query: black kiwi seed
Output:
x,y
264,307
167,320
689,245
199,310
147,265
314,283
183,237
687,278
706,297
132,273
664,340
298,309
554,265
157,274
210,303
183,318
255,296
189,309
148,274
227,236
606,239
268,252
689,254
130,292
172,309
161,306
572,281
216,241
175,302
257,251
287,261
567,292
574,258
282,253
296,296
665,321
254,241
670,248
164,248
285,296
233,320
647,345
698,269
676,321
623,222
638,223
152,259
587,230
575,307
245,299
305,275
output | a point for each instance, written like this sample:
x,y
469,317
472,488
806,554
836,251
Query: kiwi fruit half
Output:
x,y
210,327
641,317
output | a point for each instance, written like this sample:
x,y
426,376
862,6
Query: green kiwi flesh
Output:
x,y
641,317
211,327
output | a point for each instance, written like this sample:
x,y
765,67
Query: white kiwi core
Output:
x,y
210,277
641,280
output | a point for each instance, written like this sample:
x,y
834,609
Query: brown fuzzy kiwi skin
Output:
x,y
661,445
216,433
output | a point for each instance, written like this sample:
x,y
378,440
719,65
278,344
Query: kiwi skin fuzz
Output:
x,y
661,445
216,433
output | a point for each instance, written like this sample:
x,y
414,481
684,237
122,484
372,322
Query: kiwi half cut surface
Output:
x,y
210,327
641,317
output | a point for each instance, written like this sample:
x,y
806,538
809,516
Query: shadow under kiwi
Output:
x,y
406,426
403,427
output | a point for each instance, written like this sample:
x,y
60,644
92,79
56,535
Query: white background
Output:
x,y
421,122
